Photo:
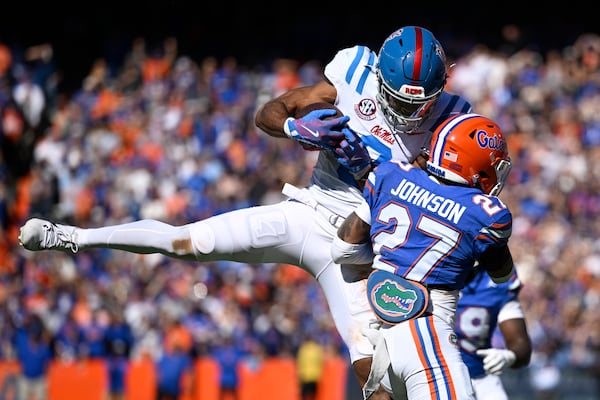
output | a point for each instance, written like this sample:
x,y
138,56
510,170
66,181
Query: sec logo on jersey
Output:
x,y
365,109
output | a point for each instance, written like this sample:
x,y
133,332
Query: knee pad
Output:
x,y
203,238
240,231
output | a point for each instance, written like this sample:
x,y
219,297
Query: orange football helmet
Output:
x,y
470,149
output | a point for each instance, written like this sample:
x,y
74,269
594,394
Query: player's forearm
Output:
x,y
271,118
522,348
517,340
272,115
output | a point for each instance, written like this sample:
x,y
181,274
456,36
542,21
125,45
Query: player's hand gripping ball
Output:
x,y
317,126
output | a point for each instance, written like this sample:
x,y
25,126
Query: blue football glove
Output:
x,y
352,154
314,130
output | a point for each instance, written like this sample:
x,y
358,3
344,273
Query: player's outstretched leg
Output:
x,y
141,237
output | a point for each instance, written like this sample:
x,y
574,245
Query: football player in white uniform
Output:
x,y
391,101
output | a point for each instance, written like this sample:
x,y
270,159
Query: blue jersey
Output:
x,y
479,304
428,232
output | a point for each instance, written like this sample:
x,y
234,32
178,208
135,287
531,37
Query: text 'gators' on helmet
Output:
x,y
470,149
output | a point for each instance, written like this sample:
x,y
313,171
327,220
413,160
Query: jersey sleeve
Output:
x,y
349,66
368,195
373,192
498,229
511,310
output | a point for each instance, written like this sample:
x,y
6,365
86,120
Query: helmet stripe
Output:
x,y
440,140
418,54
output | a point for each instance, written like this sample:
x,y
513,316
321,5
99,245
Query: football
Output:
x,y
318,106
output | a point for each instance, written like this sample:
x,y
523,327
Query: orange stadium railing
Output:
x,y
274,378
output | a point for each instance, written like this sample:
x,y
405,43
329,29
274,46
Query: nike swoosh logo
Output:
x,y
314,133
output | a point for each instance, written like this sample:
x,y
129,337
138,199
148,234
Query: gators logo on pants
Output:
x,y
395,299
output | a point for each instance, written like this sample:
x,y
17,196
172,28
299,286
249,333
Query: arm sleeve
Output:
x,y
364,212
347,253
511,310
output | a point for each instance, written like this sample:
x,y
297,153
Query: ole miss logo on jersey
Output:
x,y
382,133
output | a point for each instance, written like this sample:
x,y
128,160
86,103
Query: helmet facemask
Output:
x,y
404,114
502,168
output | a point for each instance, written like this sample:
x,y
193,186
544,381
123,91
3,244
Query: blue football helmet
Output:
x,y
412,74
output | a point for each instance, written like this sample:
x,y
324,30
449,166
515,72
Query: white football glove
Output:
x,y
495,361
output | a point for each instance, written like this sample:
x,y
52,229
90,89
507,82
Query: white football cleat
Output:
x,y
38,234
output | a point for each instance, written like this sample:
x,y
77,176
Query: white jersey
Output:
x,y
352,71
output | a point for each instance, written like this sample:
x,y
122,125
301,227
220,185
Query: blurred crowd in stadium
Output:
x,y
168,137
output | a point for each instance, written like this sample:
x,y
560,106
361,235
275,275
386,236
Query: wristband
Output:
x,y
286,126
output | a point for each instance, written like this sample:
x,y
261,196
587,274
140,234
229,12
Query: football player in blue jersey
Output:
x,y
391,100
483,307
424,231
